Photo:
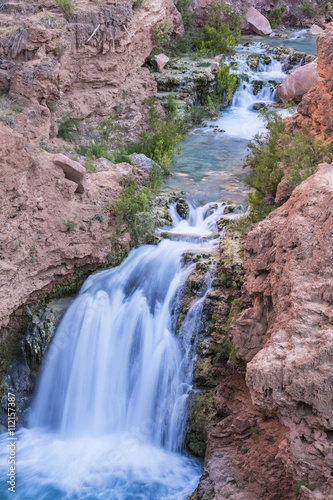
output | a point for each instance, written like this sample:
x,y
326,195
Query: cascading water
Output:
x,y
109,415
111,405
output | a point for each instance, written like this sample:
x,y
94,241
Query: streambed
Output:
x,y
108,417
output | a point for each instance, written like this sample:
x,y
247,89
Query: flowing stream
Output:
x,y
108,418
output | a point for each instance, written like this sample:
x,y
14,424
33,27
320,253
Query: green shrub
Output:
x,y
225,84
17,108
255,434
301,153
275,16
221,31
134,205
309,8
161,137
66,7
70,224
161,37
297,487
298,151
68,127
137,4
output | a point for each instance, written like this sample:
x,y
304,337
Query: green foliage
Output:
x,y
66,7
221,31
298,151
222,351
133,206
255,434
161,137
68,127
263,160
52,105
137,4
89,165
309,8
301,154
225,84
296,487
275,16
187,16
70,224
161,37
17,108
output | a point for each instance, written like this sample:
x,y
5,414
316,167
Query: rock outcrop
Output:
x,y
316,108
298,83
257,22
88,66
49,229
286,333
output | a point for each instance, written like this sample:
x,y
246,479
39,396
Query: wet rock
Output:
x,y
257,22
253,61
182,208
258,105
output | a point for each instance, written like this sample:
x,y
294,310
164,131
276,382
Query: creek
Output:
x,y
109,414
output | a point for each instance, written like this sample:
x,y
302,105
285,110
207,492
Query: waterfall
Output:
x,y
112,399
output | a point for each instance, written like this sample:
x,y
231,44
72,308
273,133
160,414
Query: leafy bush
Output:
x,y
308,8
162,136
66,7
137,4
221,31
68,127
134,205
299,152
225,84
275,16
297,487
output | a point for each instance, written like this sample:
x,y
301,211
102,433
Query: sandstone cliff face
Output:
x,y
316,108
43,57
286,334
47,228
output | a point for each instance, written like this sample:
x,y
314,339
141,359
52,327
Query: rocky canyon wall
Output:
x,y
315,111
88,65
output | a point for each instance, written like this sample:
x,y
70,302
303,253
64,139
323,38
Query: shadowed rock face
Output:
x,y
286,335
316,108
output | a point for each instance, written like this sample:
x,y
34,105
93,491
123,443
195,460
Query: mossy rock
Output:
x,y
199,420
182,208
198,449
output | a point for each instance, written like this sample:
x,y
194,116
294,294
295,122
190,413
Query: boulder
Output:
x,y
257,22
142,161
315,30
298,83
73,170
160,61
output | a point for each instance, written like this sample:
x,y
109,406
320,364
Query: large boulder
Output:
x,y
298,83
257,22
73,170
315,30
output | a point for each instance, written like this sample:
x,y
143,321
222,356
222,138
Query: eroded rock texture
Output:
x,y
286,334
89,65
316,108
48,229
